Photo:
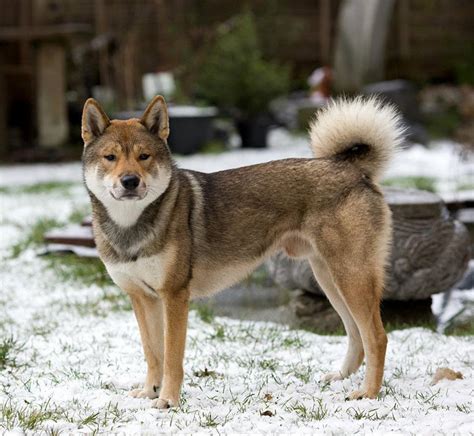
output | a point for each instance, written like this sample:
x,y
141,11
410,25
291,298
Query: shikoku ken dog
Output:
x,y
167,234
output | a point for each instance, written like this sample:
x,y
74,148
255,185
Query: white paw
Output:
x,y
161,403
144,393
332,376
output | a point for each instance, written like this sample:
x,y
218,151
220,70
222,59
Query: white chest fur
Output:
x,y
147,274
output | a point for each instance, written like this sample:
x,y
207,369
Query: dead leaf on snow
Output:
x,y
445,374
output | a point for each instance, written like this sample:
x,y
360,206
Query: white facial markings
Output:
x,y
126,213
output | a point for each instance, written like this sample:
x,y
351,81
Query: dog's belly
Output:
x,y
208,280
147,274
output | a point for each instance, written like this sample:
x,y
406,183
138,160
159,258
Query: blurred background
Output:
x,y
243,80
256,63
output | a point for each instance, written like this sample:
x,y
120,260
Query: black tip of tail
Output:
x,y
354,152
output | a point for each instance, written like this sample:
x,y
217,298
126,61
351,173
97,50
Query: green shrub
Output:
x,y
234,74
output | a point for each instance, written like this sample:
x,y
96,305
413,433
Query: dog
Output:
x,y
167,234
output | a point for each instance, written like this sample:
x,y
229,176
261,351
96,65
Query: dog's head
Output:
x,y
126,160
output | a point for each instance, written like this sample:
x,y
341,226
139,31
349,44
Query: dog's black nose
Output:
x,y
130,182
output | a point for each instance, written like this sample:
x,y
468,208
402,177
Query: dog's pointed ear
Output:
x,y
155,118
94,121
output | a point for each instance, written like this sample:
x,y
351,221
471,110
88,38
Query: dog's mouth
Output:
x,y
128,196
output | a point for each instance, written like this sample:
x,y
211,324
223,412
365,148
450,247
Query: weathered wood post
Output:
x,y
53,127
51,107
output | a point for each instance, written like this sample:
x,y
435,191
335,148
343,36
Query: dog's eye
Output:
x,y
110,157
143,156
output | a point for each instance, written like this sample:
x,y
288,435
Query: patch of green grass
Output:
x,y
27,417
204,311
9,347
35,418
111,300
316,412
38,188
466,329
79,213
371,415
443,124
415,182
302,372
34,235
270,364
293,341
72,268
465,186
207,420
464,408
213,147
219,333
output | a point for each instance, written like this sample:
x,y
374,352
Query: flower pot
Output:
x,y
190,128
253,131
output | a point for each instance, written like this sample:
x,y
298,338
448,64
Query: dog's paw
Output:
x,y
361,394
332,376
144,393
161,403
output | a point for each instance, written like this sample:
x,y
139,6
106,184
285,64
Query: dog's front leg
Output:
x,y
149,314
175,308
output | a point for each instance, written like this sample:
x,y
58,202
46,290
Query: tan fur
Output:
x,y
189,234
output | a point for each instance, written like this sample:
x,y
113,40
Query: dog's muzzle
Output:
x,y
130,188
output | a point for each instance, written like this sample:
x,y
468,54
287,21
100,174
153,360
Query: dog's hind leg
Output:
x,y
149,314
355,350
361,288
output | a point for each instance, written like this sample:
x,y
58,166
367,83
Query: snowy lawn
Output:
x,y
70,348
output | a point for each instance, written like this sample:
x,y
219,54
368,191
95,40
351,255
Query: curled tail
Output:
x,y
362,131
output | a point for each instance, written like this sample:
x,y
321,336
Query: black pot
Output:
x,y
190,128
254,131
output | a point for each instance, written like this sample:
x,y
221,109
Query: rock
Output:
x,y
430,250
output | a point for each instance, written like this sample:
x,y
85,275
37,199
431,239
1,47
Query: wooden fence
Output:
x,y
125,39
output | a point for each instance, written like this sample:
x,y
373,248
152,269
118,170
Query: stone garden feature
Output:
x,y
430,253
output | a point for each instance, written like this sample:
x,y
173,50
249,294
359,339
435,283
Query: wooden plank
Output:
x,y
15,33
73,235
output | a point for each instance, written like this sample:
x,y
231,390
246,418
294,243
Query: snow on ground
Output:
x,y
70,351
